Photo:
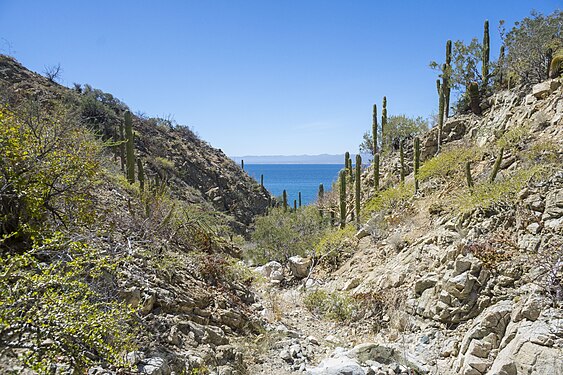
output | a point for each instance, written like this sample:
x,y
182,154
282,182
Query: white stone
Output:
x,y
299,266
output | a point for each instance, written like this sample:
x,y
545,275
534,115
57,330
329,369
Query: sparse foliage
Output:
x,y
53,72
528,44
398,127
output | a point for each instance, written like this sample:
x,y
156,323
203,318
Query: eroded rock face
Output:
x,y
457,292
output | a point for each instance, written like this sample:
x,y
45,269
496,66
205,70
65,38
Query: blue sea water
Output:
x,y
295,178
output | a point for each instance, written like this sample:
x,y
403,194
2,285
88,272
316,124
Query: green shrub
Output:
x,y
57,295
332,305
54,311
486,194
335,245
390,198
449,163
514,137
48,168
281,235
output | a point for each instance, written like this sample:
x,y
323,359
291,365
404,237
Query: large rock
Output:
x,y
299,266
272,271
154,366
528,349
484,336
337,366
543,89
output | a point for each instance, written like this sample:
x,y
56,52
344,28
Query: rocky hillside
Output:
x,y
452,280
101,275
193,169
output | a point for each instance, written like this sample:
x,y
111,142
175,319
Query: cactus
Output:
x,y
468,175
416,163
500,67
242,164
130,160
350,169
556,65
376,172
486,55
446,79
122,145
473,90
402,158
383,123
449,52
321,198
374,129
342,198
441,102
262,181
141,174
496,167
284,198
348,163
299,199
357,180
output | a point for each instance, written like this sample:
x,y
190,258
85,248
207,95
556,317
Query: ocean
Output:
x,y
295,178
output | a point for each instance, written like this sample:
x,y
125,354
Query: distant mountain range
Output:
x,y
298,159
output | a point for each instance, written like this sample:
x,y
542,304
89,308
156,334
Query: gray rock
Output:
x,y
543,89
426,282
272,271
154,366
299,267
530,350
337,366
553,205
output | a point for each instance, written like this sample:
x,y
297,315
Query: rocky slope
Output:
x,y
170,247
195,171
462,290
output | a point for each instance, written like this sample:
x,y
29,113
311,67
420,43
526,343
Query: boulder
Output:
x,y
529,350
543,89
299,266
154,366
272,271
337,366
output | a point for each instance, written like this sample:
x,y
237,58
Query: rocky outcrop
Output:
x,y
482,289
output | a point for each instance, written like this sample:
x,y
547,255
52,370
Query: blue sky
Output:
x,y
256,77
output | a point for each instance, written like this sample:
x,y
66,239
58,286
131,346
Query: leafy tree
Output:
x,y
398,127
528,44
55,303
281,235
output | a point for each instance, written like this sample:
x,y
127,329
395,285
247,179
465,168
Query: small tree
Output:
x,y
528,44
53,72
398,127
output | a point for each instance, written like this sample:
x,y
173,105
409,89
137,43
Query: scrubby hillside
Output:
x,y
102,274
454,279
193,169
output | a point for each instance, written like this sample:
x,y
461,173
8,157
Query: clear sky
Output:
x,y
256,77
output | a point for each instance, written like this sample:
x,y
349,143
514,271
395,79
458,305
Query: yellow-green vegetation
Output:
x,y
332,305
449,163
164,163
486,194
48,166
58,312
55,306
335,245
391,198
514,137
281,235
